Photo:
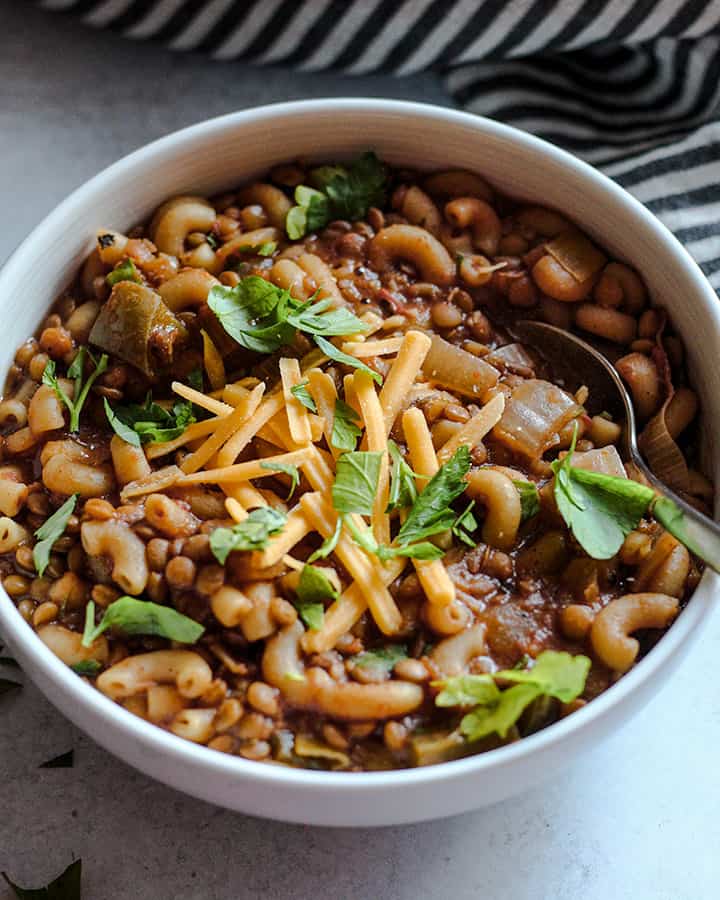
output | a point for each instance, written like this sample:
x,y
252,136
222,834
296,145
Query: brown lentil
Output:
x,y
180,573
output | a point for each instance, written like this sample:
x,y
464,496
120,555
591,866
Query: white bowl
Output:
x,y
218,154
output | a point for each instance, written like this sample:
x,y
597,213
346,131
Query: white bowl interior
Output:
x,y
220,154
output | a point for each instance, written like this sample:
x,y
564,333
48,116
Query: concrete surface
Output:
x,y
637,818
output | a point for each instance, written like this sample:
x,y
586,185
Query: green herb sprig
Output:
x,y
132,616
148,422
263,317
302,394
291,471
345,430
339,192
81,389
49,532
529,499
313,589
251,534
124,271
554,674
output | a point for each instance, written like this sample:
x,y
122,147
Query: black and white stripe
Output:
x,y
632,86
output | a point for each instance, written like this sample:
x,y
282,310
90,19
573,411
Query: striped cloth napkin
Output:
x,y
632,86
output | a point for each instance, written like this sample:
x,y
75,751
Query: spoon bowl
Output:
x,y
577,363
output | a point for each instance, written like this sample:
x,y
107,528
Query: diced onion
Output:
x,y
454,368
511,356
534,415
603,460
576,254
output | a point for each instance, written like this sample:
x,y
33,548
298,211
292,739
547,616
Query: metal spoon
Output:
x,y
577,363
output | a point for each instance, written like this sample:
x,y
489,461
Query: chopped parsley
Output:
x,y
302,395
554,674
292,471
132,616
339,192
345,431
124,271
49,532
529,499
431,513
313,588
251,534
81,389
263,317
143,423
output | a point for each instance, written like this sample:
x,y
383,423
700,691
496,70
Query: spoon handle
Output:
x,y
698,532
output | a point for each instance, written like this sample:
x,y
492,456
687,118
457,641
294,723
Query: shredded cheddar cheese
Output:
x,y
290,434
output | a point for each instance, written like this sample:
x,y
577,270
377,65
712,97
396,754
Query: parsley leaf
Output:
x,y
345,192
125,271
290,470
75,371
345,432
365,539
501,714
302,394
87,667
312,614
320,318
464,525
467,690
403,492
132,616
254,313
65,887
128,434
529,499
600,510
313,588
419,550
382,658
688,532
263,317
252,534
356,482
50,530
311,212
329,544
331,351
149,422
554,674
431,512
557,674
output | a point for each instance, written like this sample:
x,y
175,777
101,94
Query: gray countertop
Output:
x,y
635,818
